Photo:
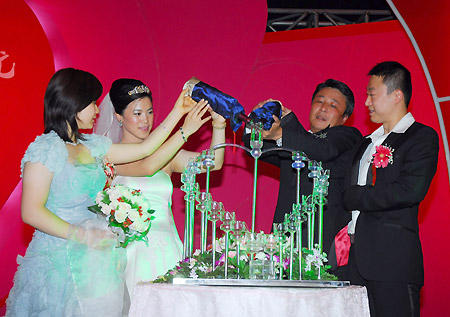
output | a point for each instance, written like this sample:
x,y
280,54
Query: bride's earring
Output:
x,y
120,123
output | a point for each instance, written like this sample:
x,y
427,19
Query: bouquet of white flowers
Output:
x,y
127,212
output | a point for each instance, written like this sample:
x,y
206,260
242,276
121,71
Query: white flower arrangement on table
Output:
x,y
200,264
315,258
127,211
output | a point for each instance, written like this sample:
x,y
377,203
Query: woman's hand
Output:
x,y
184,103
217,119
193,120
95,238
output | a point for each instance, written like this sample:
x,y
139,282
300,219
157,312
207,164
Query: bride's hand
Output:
x,y
184,103
217,119
92,237
193,120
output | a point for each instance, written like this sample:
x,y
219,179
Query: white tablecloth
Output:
x,y
193,300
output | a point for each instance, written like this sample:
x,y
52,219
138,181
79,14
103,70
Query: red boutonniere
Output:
x,y
381,158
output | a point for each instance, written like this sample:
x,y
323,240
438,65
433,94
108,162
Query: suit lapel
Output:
x,y
395,140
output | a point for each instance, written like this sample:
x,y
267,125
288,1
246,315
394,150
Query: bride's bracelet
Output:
x,y
164,127
219,127
182,135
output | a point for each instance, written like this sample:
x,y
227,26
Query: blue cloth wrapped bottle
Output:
x,y
264,114
228,106
225,105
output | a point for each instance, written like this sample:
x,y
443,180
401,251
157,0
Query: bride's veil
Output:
x,y
107,123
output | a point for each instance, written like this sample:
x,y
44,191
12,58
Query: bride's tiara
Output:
x,y
139,90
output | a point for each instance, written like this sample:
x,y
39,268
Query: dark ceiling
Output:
x,y
284,15
329,4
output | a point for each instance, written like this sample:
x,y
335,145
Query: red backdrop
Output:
x,y
164,44
26,65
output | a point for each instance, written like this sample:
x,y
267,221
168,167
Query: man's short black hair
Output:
x,y
344,89
395,76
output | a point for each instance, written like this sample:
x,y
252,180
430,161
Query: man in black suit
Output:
x,y
391,173
326,141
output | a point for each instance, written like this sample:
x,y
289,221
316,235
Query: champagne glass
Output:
x,y
204,201
253,245
214,216
190,187
227,219
291,227
270,246
239,229
309,209
279,230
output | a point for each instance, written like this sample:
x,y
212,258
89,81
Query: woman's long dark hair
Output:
x,y
120,96
68,92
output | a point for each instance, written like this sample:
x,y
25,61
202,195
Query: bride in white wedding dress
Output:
x,y
126,115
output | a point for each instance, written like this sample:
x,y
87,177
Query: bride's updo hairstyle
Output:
x,y
68,92
125,90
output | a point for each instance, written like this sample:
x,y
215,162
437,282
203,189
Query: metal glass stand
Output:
x,y
261,283
303,210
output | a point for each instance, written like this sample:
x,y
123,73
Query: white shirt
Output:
x,y
378,138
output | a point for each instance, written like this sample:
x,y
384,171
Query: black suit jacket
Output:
x,y
387,245
326,146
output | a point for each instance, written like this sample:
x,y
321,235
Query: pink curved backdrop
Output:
x,y
164,43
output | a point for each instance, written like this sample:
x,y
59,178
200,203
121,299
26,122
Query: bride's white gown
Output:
x,y
165,249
